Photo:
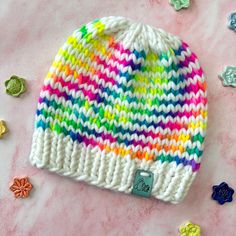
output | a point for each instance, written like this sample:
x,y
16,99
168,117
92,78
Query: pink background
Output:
x,y
31,32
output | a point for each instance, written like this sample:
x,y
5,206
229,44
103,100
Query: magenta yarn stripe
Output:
x,y
92,96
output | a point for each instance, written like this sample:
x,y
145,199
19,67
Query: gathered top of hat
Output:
x,y
119,97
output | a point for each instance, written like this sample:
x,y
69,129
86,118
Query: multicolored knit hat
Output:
x,y
123,107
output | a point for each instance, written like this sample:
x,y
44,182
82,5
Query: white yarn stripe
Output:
x,y
162,107
100,81
137,126
135,137
100,67
142,138
117,124
130,125
167,98
129,114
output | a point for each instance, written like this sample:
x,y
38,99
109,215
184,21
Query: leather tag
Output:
x,y
143,181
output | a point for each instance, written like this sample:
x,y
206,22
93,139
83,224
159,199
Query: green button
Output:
x,y
15,86
143,182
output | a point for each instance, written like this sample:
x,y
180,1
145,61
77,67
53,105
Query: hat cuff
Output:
x,y
60,154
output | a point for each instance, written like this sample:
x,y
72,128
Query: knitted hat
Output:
x,y
123,107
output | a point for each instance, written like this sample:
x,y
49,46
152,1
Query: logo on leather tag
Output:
x,y
143,181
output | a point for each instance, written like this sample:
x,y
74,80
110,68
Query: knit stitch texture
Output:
x,y
122,96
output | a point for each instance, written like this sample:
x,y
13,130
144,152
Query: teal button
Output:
x,y
143,182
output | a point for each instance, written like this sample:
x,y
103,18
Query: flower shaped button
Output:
x,y
21,187
3,128
189,229
228,76
179,4
15,86
222,193
232,21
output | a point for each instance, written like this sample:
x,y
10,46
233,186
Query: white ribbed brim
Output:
x,y
60,154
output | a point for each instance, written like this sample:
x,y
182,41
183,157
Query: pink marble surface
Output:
x,y
31,33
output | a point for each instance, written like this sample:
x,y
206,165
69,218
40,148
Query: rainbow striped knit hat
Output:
x,y
123,107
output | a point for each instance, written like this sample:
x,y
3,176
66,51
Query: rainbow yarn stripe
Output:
x,y
140,103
